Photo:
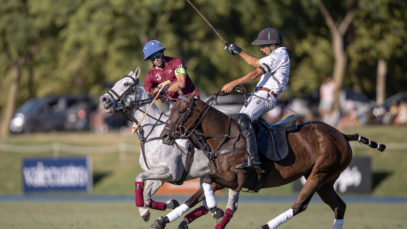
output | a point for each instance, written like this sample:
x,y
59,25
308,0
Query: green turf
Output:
x,y
115,176
67,215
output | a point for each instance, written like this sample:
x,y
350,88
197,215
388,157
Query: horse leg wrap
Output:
x,y
280,219
139,194
209,196
177,212
338,224
196,213
157,205
226,218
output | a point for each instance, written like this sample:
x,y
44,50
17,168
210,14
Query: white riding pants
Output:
x,y
258,103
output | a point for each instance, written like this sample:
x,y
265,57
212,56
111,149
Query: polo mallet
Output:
x,y
207,22
161,86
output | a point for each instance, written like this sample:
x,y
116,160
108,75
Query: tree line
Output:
x,y
77,46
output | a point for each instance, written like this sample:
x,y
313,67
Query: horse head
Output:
x,y
123,92
182,118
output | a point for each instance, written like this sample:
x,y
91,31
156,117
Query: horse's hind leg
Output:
x,y
313,183
330,197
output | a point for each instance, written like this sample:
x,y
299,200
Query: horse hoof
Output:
x,y
159,223
146,217
264,227
183,225
172,204
144,213
217,213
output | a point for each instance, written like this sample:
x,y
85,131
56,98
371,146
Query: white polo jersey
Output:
x,y
276,68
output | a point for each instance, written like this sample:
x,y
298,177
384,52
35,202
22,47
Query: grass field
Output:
x,y
78,215
113,176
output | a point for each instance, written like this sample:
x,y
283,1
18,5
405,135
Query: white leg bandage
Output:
x,y
338,224
209,196
280,219
177,212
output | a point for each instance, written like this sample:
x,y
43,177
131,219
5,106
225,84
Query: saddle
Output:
x,y
272,138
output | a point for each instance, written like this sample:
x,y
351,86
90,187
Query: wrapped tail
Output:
x,y
366,141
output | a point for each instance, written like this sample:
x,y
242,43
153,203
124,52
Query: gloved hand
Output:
x,y
162,92
233,49
156,91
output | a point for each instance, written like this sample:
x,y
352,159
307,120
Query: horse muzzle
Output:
x,y
106,103
167,137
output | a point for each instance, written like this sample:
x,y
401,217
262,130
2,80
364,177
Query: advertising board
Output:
x,y
57,174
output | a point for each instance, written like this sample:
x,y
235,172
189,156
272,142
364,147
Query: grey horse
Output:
x,y
160,162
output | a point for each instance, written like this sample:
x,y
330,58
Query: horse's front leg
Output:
x,y
180,210
143,192
149,192
235,182
148,189
231,208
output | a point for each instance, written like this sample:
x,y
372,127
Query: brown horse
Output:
x,y
316,150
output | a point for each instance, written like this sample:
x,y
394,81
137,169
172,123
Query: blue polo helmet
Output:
x,y
152,47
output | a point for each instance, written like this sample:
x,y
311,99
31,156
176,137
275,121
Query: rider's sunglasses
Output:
x,y
156,56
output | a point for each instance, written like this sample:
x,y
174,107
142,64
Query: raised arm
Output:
x,y
235,50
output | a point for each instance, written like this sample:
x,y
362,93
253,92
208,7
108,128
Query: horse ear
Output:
x,y
137,72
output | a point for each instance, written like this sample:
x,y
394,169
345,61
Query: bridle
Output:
x,y
178,129
117,99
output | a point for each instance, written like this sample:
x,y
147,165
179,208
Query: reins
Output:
x,y
192,133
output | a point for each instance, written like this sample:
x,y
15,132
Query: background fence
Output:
x,y
57,148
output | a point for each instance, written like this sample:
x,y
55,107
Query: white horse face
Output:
x,y
118,94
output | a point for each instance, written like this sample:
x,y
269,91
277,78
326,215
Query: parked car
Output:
x,y
68,112
102,122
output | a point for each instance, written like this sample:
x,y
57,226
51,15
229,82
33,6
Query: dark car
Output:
x,y
67,112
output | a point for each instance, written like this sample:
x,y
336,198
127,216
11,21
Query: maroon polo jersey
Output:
x,y
156,76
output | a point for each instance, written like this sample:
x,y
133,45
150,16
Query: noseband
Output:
x,y
116,98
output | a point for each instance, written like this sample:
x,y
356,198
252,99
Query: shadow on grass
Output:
x,y
99,176
378,177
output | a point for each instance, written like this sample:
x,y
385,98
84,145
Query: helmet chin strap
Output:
x,y
272,49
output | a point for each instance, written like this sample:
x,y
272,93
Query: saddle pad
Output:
x,y
272,139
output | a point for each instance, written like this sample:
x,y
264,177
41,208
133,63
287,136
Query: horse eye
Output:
x,y
126,84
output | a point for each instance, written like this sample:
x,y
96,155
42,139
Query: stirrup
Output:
x,y
246,165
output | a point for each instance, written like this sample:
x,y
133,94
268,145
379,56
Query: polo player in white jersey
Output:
x,y
274,70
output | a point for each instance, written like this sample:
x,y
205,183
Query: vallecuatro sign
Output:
x,y
57,174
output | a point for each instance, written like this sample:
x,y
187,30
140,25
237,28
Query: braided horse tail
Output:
x,y
364,140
